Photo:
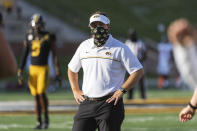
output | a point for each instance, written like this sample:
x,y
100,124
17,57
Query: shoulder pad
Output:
x,y
30,37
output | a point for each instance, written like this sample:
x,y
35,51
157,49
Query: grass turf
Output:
x,y
132,122
63,94
25,95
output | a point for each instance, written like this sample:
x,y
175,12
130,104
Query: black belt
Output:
x,y
97,98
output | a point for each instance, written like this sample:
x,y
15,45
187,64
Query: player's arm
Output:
x,y
23,61
54,53
8,65
24,56
55,60
73,79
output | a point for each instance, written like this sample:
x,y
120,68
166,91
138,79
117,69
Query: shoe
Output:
x,y
45,125
38,127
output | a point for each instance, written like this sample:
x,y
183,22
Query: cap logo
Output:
x,y
96,16
100,18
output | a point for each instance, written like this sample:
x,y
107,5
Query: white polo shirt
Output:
x,y
103,67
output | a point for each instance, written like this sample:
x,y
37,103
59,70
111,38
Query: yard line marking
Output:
x,y
142,119
65,125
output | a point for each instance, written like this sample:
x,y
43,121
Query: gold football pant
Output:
x,y
38,79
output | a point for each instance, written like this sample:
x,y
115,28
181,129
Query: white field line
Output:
x,y
64,125
150,118
142,119
157,129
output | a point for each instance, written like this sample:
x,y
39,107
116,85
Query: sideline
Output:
x,y
127,111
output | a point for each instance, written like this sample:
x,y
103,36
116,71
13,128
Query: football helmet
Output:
x,y
37,22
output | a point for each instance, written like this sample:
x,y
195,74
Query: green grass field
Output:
x,y
63,94
63,122
132,122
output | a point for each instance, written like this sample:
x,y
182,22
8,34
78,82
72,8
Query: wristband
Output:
x,y
123,90
193,107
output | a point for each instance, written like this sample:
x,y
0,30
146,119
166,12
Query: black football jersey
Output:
x,y
39,47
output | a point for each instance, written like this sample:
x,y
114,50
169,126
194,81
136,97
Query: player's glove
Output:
x,y
20,77
59,80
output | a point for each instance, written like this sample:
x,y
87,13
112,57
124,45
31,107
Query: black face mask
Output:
x,y
100,36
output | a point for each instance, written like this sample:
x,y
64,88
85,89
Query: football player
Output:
x,y
39,43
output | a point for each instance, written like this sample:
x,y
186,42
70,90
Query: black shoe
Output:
x,y
38,127
46,125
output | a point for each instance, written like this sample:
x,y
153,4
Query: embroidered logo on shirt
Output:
x,y
108,53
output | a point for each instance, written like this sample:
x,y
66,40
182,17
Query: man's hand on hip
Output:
x,y
116,96
78,94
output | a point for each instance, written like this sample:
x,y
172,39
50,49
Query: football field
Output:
x,y
132,122
137,119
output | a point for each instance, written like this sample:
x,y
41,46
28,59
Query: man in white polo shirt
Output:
x,y
105,61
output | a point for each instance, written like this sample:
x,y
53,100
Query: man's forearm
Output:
x,y
133,79
194,98
73,79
